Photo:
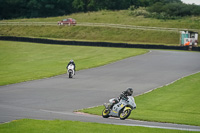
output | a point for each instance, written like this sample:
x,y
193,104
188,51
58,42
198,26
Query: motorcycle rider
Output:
x,y
72,62
124,95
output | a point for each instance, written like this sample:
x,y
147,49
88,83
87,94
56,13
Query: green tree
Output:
x,y
81,5
195,9
3,9
177,9
157,7
34,7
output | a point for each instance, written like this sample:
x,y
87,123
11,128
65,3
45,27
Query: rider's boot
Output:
x,y
109,107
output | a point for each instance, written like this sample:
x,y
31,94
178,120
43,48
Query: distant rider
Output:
x,y
124,95
72,62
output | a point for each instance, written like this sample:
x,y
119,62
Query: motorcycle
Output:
x,y
70,70
122,109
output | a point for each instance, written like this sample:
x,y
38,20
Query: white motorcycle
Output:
x,y
70,70
122,109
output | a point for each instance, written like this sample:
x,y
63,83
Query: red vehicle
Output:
x,y
68,21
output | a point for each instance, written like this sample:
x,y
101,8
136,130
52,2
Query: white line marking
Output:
x,y
173,128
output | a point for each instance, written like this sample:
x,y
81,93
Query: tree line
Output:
x,y
46,8
174,9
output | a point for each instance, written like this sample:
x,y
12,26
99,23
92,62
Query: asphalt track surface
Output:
x,y
57,97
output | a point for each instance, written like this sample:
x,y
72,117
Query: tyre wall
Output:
x,y
100,44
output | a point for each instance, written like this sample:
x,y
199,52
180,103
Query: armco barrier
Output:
x,y
100,44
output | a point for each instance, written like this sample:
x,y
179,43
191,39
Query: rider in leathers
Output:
x,y
72,62
124,95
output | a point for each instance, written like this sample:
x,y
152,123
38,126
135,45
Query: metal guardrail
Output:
x,y
136,27
28,23
103,25
129,26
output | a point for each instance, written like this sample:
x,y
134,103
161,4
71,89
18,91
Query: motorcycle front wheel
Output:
x,y
124,114
70,74
105,113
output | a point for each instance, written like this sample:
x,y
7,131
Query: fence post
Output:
x,y
190,48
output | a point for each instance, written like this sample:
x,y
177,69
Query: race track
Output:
x,y
59,96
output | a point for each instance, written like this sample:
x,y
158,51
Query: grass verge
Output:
x,y
58,126
105,34
21,61
175,103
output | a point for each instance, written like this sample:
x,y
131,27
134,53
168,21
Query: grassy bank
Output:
x,y
94,34
104,33
58,126
175,103
22,61
121,17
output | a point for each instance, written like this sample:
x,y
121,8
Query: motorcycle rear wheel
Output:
x,y
124,114
105,113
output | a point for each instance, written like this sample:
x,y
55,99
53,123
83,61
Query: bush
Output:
x,y
173,10
162,15
132,8
141,11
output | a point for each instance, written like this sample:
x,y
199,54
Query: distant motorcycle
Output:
x,y
70,70
122,109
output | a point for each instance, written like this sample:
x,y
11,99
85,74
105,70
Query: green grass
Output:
x,y
175,103
93,34
58,126
120,17
105,33
22,61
